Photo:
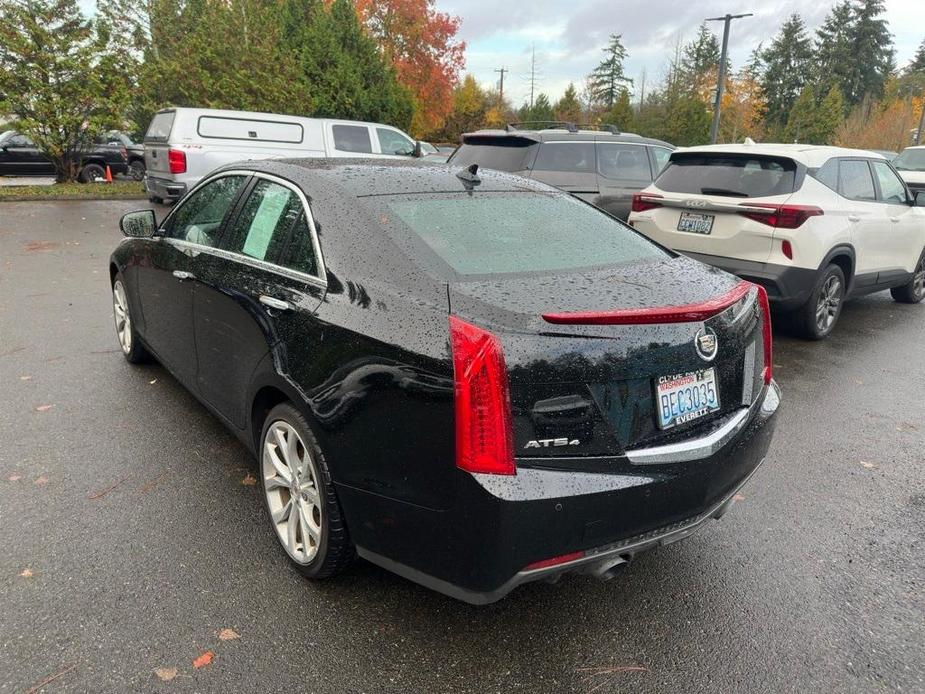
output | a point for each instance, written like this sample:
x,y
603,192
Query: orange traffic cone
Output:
x,y
108,174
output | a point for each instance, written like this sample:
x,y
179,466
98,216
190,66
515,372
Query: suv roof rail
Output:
x,y
554,125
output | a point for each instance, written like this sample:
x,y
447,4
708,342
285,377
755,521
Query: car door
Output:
x,y
622,169
20,157
865,218
569,165
901,243
167,277
255,293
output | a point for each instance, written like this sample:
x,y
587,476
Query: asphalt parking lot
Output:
x,y
134,543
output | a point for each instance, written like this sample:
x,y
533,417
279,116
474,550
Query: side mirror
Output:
x,y
140,224
918,198
418,150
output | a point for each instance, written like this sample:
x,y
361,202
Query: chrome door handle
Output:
x,y
274,303
183,275
853,218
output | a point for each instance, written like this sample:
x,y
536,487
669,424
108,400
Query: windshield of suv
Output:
x,y
728,175
911,160
492,233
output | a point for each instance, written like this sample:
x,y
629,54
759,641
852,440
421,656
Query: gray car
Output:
x,y
604,167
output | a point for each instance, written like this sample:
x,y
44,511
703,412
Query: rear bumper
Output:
x,y
481,549
164,188
788,287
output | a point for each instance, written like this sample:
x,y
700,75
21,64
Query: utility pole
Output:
x,y
727,20
918,133
532,72
502,70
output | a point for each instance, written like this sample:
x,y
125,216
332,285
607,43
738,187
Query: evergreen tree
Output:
x,y
621,115
912,80
835,58
540,111
786,67
872,47
918,61
59,78
608,78
568,108
829,115
687,122
700,58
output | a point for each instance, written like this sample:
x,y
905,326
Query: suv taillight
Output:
x,y
766,334
782,216
484,426
124,153
645,201
176,160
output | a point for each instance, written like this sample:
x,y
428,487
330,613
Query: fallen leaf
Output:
x,y
738,497
906,427
153,382
228,635
43,408
25,378
26,573
165,674
249,480
204,659
41,480
14,478
869,466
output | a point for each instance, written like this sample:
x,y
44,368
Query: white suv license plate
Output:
x,y
684,397
696,223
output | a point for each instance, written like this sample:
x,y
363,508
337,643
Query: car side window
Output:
x,y
18,141
661,156
352,138
300,252
892,189
827,174
623,162
855,181
199,217
263,225
574,157
393,142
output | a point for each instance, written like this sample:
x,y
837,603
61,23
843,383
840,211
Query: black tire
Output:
x,y
335,552
156,200
90,173
914,291
136,169
813,321
135,352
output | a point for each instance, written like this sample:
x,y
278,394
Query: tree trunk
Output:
x,y
65,171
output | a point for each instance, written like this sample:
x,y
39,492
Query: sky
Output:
x,y
569,34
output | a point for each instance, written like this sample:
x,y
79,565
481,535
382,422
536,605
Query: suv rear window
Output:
x,y
511,233
159,130
501,153
730,175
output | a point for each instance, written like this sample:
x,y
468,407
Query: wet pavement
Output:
x,y
134,543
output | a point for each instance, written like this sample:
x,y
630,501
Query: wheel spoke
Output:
x,y
292,526
283,513
282,447
276,482
272,453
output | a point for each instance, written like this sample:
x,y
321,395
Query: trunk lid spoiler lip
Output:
x,y
687,313
706,205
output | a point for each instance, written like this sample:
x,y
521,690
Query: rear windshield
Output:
x,y
910,160
515,232
501,153
159,130
729,175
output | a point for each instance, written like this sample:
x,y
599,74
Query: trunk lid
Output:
x,y
582,392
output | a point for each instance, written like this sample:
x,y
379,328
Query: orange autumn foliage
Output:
x,y
421,43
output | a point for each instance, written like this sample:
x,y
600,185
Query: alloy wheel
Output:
x,y
291,486
827,308
918,280
122,317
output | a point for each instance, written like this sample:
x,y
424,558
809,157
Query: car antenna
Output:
x,y
470,176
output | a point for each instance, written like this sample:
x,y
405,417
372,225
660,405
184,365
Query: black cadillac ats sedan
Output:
x,y
468,378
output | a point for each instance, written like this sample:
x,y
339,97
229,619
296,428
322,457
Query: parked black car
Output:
x,y
134,150
469,378
604,167
20,157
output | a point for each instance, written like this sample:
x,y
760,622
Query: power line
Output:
x,y
727,20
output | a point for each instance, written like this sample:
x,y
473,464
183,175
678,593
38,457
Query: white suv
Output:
x,y
813,225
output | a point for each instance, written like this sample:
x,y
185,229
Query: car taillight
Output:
x,y
484,426
645,201
176,160
782,216
124,153
766,334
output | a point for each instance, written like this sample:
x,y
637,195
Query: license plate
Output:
x,y
696,223
684,397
